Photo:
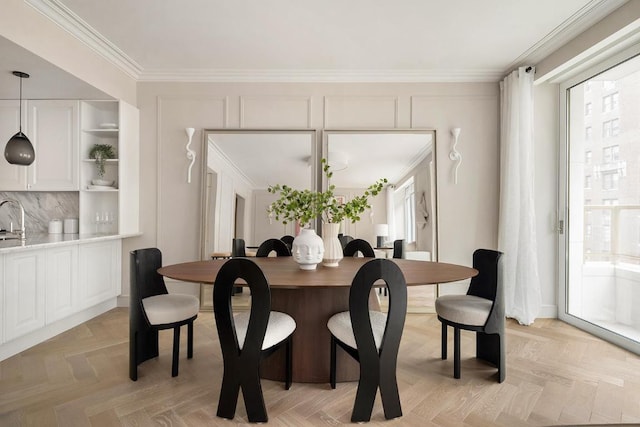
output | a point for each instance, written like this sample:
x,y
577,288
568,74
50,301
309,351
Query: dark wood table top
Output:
x,y
283,272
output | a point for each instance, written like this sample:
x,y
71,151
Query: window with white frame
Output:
x,y
409,208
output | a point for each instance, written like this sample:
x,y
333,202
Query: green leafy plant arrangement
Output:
x,y
305,205
101,152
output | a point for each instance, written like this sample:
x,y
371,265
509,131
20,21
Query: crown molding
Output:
x,y
76,26
580,21
320,76
588,15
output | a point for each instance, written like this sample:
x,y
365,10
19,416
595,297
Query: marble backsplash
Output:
x,y
39,209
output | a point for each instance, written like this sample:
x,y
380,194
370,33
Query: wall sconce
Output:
x,y
191,155
454,154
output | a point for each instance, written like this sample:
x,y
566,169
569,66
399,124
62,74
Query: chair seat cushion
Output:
x,y
464,309
280,326
340,327
170,308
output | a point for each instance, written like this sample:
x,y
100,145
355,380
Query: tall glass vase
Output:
x,y
332,247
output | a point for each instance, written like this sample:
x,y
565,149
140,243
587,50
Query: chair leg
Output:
x,y
288,359
133,356
444,341
190,340
332,368
456,353
176,351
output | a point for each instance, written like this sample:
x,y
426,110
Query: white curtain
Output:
x,y
517,227
391,213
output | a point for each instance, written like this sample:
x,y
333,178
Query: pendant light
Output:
x,y
19,150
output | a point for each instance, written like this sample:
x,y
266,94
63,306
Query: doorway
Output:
x,y
600,247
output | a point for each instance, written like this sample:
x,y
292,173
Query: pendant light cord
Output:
x,y
20,112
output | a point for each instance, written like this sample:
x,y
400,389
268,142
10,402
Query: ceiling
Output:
x,y
305,40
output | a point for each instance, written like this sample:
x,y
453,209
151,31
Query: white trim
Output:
x,y
584,18
76,26
322,76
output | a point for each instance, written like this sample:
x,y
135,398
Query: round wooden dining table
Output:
x,y
311,297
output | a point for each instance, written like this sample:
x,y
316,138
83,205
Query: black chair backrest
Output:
x,y
270,245
144,277
382,361
233,269
487,283
238,248
288,239
344,239
398,248
359,245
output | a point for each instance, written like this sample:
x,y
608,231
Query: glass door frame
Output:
x,y
563,200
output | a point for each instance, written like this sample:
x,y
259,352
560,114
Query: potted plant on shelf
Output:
x,y
303,206
100,153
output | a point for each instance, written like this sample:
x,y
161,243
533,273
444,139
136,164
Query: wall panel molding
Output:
x,y
285,112
361,111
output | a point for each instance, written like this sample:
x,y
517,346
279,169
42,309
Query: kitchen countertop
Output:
x,y
41,241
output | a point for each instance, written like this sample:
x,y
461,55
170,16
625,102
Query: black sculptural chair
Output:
x,y
238,248
358,245
480,310
247,337
152,308
344,239
372,338
273,245
398,248
288,240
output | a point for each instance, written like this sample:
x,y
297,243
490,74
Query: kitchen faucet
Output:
x,y
21,232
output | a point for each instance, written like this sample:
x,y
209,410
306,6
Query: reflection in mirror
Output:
x,y
407,208
240,165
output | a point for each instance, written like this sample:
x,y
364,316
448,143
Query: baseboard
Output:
x,y
548,312
30,339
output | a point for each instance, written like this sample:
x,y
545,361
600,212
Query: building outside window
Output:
x,y
588,109
610,180
588,133
588,157
611,154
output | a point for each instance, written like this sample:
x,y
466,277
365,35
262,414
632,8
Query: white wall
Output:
x,y
170,208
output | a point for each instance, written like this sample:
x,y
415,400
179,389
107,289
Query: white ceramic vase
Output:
x,y
307,249
332,247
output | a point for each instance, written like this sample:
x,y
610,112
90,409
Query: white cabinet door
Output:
x,y
61,292
12,177
99,272
53,131
24,293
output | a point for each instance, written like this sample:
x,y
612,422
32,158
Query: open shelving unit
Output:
x,y
99,205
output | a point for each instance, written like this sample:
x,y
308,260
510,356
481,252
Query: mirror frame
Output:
x,y
326,133
204,194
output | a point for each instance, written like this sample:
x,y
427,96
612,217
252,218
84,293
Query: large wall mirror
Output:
x,y
239,166
407,209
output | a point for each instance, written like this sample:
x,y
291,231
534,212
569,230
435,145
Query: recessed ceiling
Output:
x,y
401,40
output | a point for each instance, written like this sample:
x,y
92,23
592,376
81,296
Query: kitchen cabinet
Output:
x,y
111,208
24,296
52,128
54,287
99,271
53,131
61,272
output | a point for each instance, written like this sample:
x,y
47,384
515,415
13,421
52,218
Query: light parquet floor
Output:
x,y
556,375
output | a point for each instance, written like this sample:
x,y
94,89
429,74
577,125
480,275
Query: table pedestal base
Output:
x,y
311,309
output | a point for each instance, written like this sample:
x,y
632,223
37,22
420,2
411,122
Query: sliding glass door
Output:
x,y
600,262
